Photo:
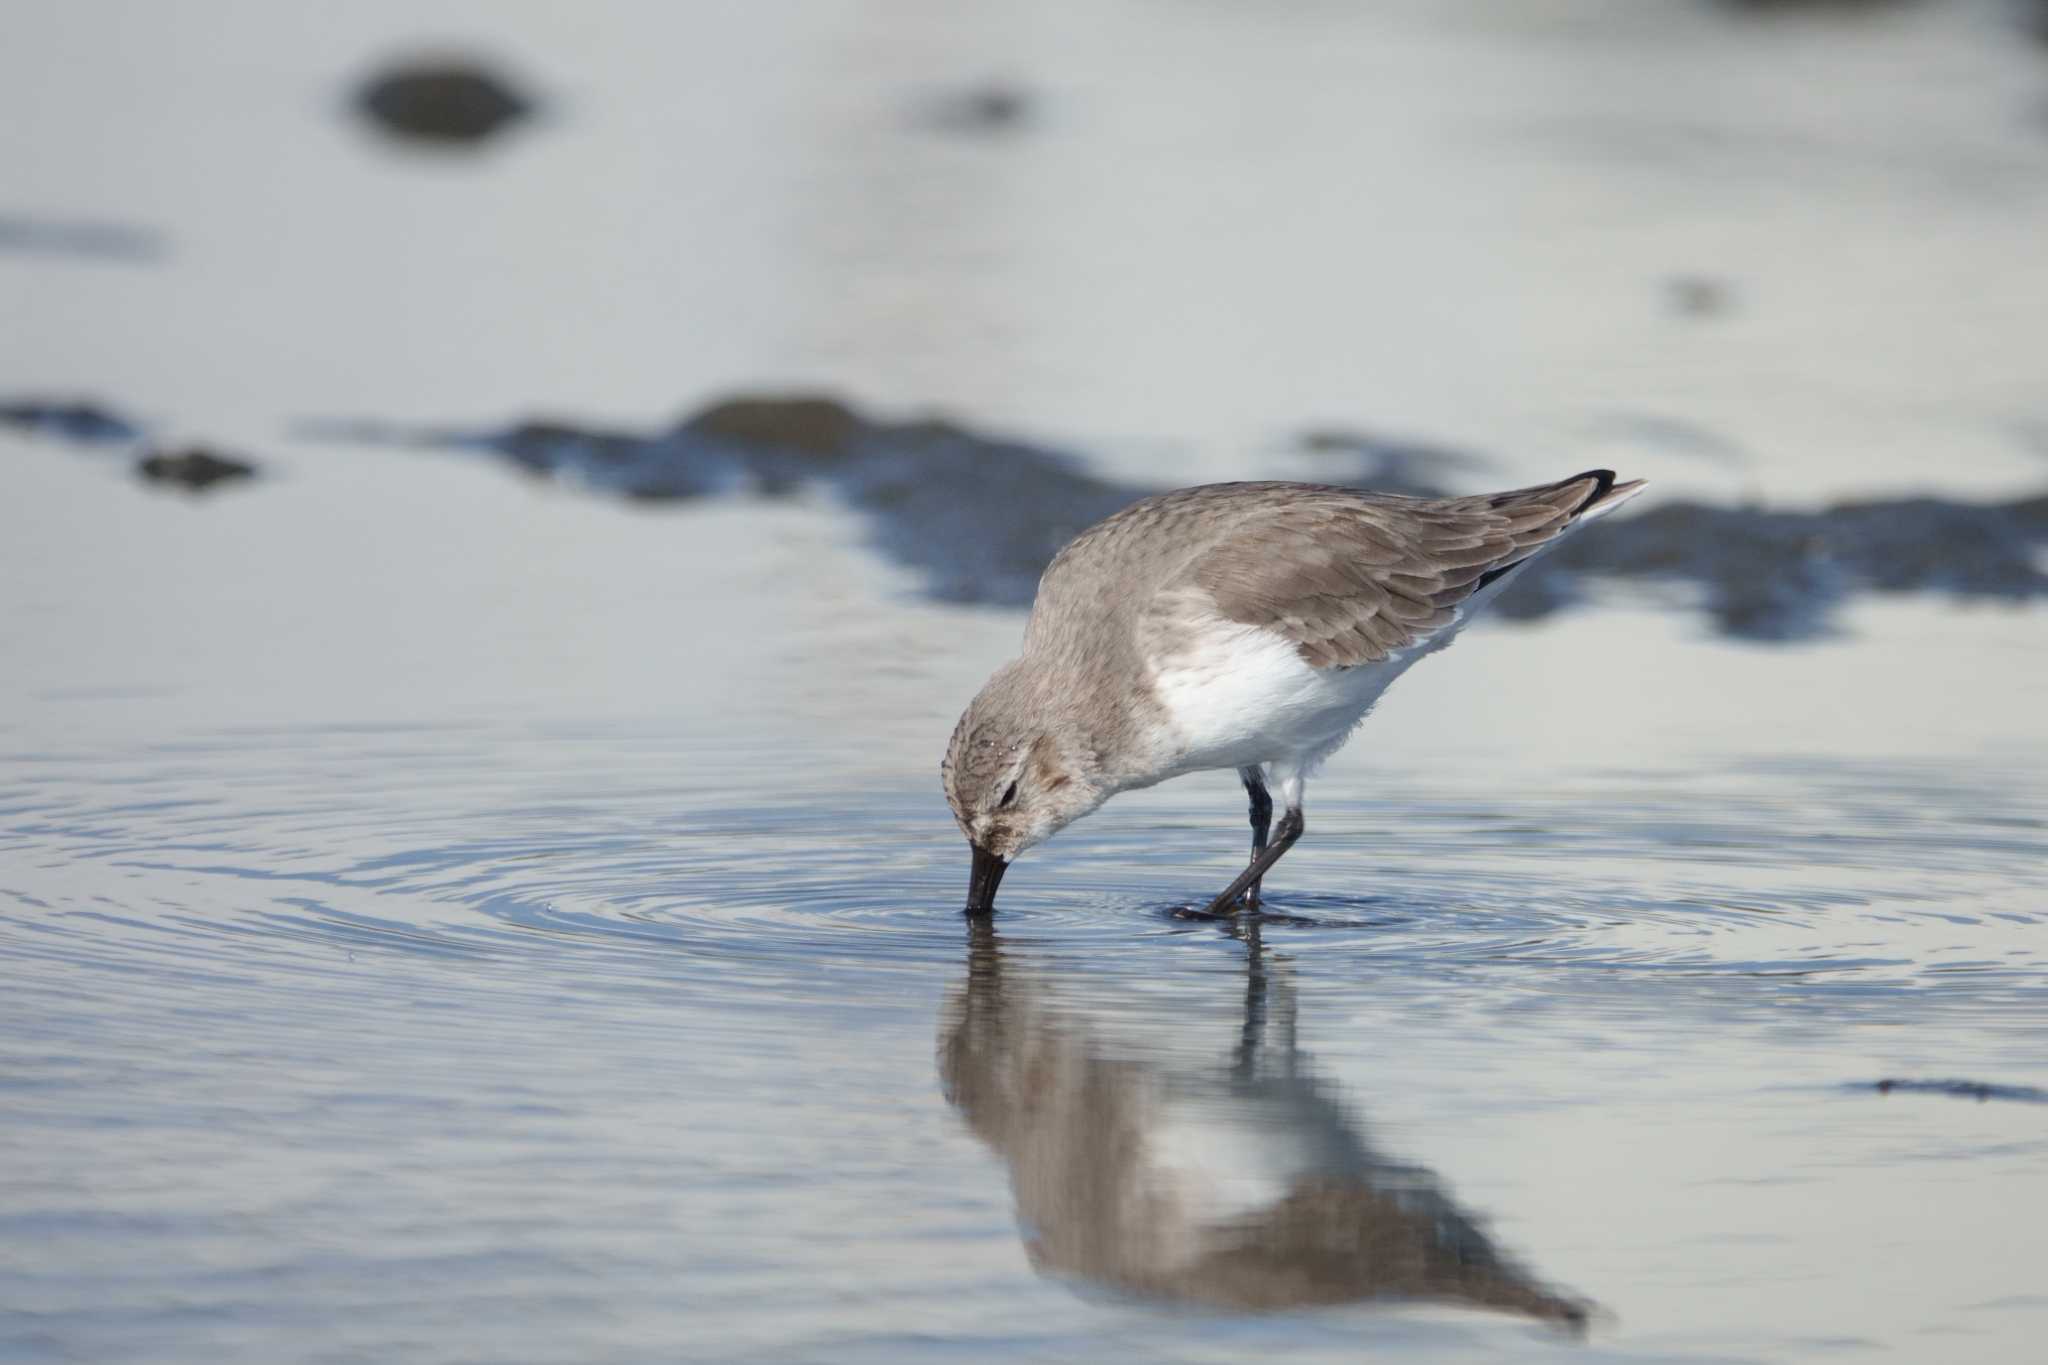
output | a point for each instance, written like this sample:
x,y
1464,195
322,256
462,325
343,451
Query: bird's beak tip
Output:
x,y
983,880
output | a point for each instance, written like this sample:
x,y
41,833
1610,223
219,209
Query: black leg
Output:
x,y
1283,839
1262,819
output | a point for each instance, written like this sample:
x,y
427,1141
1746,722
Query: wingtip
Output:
x,y
1603,480
1611,494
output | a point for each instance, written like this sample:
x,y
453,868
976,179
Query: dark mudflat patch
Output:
x,y
90,238
1842,7
77,420
1772,575
1979,1091
443,101
1699,296
984,109
978,516
194,469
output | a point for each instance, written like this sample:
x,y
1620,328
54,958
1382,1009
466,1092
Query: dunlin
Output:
x,y
1245,626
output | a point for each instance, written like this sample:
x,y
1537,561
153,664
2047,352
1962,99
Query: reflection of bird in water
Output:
x,y
1241,1184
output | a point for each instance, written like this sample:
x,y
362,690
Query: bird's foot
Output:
x,y
1202,915
1245,906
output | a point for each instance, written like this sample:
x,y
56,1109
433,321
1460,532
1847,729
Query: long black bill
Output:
x,y
983,881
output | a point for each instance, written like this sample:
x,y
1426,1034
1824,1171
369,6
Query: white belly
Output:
x,y
1239,695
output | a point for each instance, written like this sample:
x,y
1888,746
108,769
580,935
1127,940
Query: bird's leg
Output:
x,y
1262,818
1284,835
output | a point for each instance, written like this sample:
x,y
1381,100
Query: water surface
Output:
x,y
447,916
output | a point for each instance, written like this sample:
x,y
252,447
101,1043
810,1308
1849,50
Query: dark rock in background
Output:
x,y
195,468
978,517
449,100
542,447
1979,1091
81,237
1772,575
811,425
988,109
1699,296
1818,6
77,420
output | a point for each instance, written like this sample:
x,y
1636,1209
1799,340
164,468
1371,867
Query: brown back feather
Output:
x,y
1352,577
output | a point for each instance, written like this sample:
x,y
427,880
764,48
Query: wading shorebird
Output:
x,y
1248,626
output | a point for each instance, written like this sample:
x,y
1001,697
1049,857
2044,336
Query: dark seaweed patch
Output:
x,y
986,109
1772,575
89,238
450,101
978,517
194,469
67,419
1979,1091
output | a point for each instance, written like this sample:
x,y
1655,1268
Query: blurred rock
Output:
x,y
1771,575
978,517
450,100
542,447
1699,296
1817,6
194,468
983,110
1979,1091
80,237
76,420
805,423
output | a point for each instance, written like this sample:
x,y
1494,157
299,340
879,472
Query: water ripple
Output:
x,y
541,847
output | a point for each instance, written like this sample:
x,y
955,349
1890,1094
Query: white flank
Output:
x,y
1239,695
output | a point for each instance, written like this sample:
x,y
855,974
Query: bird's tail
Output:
x,y
1594,493
1568,503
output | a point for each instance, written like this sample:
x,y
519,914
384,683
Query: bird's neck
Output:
x,y
1112,734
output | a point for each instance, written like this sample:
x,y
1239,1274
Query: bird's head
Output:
x,y
1018,770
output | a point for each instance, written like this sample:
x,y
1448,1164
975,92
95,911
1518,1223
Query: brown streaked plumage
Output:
x,y
1239,625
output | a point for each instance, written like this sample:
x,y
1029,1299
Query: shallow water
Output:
x,y
615,1041
446,916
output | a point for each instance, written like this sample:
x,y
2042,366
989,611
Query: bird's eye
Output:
x,y
1009,795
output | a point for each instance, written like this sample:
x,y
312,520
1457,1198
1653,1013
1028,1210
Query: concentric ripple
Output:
x,y
589,1021
636,855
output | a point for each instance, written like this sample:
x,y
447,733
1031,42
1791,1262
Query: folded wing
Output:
x,y
1355,578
